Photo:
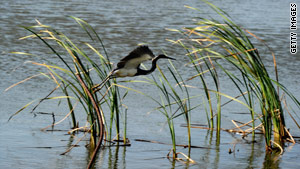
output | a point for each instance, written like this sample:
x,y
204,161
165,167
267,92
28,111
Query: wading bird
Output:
x,y
129,66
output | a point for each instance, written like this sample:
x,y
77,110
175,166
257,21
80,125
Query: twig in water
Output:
x,y
53,124
69,149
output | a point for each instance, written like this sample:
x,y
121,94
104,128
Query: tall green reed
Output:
x,y
75,73
200,72
218,43
170,95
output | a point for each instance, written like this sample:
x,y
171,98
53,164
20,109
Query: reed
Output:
x,y
201,71
224,42
184,101
71,108
75,74
168,98
165,102
171,97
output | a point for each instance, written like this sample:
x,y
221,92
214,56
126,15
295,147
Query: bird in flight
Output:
x,y
129,66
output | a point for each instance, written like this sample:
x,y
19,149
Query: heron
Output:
x,y
129,66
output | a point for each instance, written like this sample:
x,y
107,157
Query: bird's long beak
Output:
x,y
162,57
167,57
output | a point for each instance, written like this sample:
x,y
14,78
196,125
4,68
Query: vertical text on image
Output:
x,y
293,27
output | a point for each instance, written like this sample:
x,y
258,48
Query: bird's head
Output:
x,y
162,56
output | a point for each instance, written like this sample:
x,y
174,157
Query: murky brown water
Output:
x,y
123,25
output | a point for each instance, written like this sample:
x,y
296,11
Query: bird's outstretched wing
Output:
x,y
136,57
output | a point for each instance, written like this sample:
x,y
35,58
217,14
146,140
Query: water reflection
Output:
x,y
115,159
215,154
272,160
208,143
244,152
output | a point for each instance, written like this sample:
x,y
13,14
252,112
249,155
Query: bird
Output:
x,y
129,66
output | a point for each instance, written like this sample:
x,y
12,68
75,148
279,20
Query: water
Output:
x,y
123,25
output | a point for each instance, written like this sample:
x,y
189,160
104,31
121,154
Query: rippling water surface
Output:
x,y
123,25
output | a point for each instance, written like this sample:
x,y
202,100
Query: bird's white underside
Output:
x,y
125,72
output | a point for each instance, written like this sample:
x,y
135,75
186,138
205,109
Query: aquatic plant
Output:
x,y
169,97
215,43
77,73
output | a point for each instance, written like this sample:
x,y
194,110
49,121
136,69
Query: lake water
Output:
x,y
123,25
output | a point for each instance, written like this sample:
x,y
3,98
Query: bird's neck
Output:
x,y
154,64
145,72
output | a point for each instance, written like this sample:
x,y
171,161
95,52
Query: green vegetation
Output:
x,y
219,44
76,78
210,47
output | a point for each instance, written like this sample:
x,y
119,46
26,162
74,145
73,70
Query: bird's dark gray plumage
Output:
x,y
130,65
136,53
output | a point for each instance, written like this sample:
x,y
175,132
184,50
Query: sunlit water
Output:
x,y
123,25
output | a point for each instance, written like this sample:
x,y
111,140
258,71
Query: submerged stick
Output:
x,y
70,148
179,145
54,124
186,157
237,126
223,129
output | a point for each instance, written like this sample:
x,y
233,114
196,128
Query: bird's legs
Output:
x,y
100,85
